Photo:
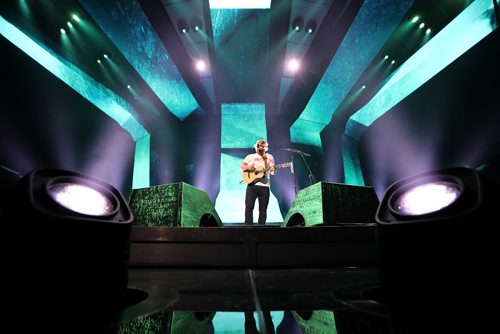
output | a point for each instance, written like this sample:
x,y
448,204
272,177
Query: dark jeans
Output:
x,y
254,192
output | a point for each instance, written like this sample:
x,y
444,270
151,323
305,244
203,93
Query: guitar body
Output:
x,y
253,176
258,174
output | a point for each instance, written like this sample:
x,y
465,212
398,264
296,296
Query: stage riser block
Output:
x,y
331,204
173,205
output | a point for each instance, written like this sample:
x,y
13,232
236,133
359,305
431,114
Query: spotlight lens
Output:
x,y
201,65
81,199
427,198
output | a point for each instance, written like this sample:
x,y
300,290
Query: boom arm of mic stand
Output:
x,y
292,150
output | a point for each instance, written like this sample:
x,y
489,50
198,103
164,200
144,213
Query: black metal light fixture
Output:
x,y
196,24
310,27
72,240
183,26
298,24
435,238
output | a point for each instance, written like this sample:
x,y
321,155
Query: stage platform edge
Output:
x,y
254,246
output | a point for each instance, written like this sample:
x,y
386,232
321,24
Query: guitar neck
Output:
x,y
283,165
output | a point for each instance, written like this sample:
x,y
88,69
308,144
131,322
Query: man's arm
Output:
x,y
246,165
270,163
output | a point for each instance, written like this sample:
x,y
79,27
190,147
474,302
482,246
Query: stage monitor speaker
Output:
x,y
326,203
173,205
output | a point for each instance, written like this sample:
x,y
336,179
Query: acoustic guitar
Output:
x,y
260,173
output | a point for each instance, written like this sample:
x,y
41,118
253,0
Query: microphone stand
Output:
x,y
312,180
293,172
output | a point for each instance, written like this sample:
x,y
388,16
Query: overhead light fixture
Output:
x,y
434,233
200,65
196,24
311,27
298,24
293,65
73,239
183,26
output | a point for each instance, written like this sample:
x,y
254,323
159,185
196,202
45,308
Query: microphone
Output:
x,y
292,150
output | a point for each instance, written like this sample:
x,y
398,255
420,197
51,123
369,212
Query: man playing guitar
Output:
x,y
262,164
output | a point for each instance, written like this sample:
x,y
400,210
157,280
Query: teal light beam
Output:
x,y
468,28
103,98
375,22
126,24
350,158
141,178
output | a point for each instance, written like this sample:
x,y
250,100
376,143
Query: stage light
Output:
x,y
293,65
196,24
425,198
73,240
311,27
183,26
81,198
436,246
431,195
298,24
200,65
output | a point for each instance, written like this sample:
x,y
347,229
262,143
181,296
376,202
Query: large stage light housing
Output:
x,y
436,248
70,250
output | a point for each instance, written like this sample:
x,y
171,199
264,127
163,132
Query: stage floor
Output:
x,y
321,300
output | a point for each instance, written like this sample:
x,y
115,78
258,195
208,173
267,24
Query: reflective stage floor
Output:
x,y
268,280
290,300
